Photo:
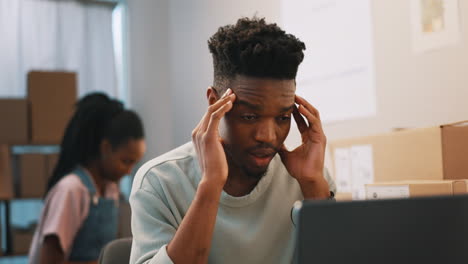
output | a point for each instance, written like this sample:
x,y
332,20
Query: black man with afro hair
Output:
x,y
227,196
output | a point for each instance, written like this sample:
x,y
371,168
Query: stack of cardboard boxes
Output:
x,y
404,163
38,119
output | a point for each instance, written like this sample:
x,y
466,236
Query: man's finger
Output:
x,y
283,152
314,122
215,118
228,96
301,123
308,106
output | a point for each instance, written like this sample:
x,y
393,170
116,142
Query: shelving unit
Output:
x,y
10,221
33,125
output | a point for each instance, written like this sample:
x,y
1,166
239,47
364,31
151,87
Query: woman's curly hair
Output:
x,y
254,48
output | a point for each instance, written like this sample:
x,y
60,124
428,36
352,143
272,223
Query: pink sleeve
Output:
x,y
66,208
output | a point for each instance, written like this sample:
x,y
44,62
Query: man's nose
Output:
x,y
266,132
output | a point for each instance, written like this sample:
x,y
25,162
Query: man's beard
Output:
x,y
254,175
233,162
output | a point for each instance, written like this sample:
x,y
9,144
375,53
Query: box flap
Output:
x,y
431,189
402,189
31,175
459,187
408,154
455,152
52,97
6,176
15,124
459,123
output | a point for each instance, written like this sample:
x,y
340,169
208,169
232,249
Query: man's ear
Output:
x,y
212,95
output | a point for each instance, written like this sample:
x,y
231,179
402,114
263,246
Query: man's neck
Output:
x,y
238,183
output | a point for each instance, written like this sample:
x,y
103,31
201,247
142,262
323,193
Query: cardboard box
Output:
x,y
51,162
30,175
52,96
343,197
6,175
125,213
435,153
407,189
14,120
21,240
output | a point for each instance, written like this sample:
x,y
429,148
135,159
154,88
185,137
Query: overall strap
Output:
x,y
86,179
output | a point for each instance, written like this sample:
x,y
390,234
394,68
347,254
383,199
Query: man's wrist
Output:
x,y
315,188
312,179
209,191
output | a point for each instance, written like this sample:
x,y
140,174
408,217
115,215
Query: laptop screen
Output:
x,y
417,230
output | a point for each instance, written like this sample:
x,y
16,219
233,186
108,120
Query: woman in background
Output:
x,y
102,143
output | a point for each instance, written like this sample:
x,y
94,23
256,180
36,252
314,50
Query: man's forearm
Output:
x,y
192,241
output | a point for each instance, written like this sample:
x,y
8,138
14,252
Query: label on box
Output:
x,y
354,168
343,170
362,169
387,192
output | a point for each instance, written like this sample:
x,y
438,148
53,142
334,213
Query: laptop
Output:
x,y
415,230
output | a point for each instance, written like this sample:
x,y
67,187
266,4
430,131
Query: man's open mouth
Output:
x,y
262,158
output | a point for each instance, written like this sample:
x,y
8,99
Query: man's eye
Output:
x,y
249,117
285,118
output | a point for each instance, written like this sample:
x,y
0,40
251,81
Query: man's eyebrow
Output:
x,y
259,107
287,108
249,105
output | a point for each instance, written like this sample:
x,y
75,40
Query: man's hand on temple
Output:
x,y
207,141
306,162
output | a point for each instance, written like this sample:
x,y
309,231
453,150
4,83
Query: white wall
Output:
x,y
149,71
412,90
170,65
171,68
191,25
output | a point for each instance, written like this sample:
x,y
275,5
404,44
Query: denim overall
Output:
x,y
99,228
